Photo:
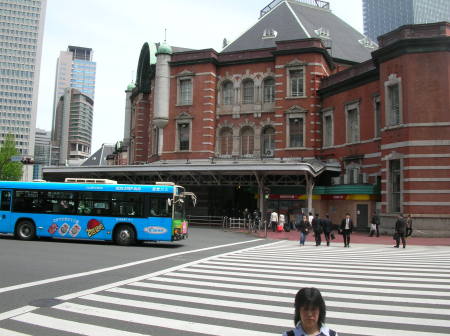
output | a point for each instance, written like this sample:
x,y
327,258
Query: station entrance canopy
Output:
x,y
263,174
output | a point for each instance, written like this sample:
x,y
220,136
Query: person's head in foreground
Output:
x,y
309,310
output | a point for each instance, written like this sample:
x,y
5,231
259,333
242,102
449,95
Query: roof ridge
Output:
x,y
259,19
298,20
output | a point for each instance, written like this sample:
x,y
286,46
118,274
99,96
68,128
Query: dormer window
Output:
x,y
322,32
368,43
269,33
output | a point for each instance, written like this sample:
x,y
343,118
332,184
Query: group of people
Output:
x,y
317,226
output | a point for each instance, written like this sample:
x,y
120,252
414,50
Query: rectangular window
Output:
x,y
394,185
295,132
377,111
185,91
352,125
327,131
183,136
394,104
269,90
296,78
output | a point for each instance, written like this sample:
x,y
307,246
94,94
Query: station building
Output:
x,y
300,113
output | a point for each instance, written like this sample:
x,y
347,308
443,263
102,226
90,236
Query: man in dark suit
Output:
x,y
400,231
327,228
318,229
346,229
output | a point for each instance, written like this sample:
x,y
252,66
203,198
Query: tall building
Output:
x,y
42,152
72,129
382,16
75,69
21,32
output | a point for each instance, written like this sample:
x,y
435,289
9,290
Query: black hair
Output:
x,y
309,298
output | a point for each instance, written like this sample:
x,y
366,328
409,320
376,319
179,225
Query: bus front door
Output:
x,y
5,210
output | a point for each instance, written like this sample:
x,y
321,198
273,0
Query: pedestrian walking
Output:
x,y
400,231
317,228
327,228
309,314
304,228
374,225
346,229
409,228
274,220
281,222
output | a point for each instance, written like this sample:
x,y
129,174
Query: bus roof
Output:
x,y
145,188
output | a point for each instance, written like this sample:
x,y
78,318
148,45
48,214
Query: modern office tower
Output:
x,y
72,128
21,32
75,69
42,152
382,16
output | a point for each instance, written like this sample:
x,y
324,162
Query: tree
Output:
x,y
9,170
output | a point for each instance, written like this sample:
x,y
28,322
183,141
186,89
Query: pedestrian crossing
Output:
x,y
368,289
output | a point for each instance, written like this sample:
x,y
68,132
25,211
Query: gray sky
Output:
x,y
116,31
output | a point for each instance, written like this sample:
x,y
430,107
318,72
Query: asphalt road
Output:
x,y
66,266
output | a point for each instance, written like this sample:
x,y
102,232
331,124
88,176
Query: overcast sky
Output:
x,y
116,31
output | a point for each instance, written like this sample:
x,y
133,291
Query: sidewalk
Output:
x,y
358,238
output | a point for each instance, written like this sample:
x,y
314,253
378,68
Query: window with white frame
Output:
x,y
185,91
296,131
327,131
226,141
248,91
227,93
268,141
296,82
269,90
393,103
394,185
183,135
352,114
247,141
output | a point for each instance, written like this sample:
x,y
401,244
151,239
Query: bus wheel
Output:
x,y
25,230
125,235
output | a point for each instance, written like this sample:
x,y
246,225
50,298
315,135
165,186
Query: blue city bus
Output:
x,y
103,210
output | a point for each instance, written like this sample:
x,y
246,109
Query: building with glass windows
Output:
x,y
75,69
382,16
21,33
300,113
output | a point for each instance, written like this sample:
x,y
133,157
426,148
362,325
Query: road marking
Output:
x,y
112,268
150,275
194,327
190,311
289,300
281,309
5,332
72,327
15,312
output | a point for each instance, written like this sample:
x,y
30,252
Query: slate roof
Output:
x,y
99,157
293,20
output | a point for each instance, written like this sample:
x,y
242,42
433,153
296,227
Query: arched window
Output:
x,y
247,141
226,141
227,93
268,142
269,90
248,91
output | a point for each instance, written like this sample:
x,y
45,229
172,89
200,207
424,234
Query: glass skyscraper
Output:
x,y
21,32
75,70
382,16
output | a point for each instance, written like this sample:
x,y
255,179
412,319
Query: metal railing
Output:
x,y
205,220
274,3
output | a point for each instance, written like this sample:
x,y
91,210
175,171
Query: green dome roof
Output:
x,y
131,86
164,49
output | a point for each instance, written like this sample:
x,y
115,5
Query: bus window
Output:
x,y
5,203
159,207
127,204
94,203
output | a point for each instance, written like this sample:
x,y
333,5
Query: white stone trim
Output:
x,y
372,155
428,203
427,179
416,143
425,191
427,168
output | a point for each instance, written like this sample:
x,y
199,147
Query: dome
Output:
x,y
164,49
131,86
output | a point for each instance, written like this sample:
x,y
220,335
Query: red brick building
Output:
x,y
302,88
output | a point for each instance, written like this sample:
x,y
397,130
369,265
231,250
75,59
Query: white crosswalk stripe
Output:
x,y
369,290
